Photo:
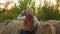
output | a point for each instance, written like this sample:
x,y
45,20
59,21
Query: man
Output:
x,y
29,20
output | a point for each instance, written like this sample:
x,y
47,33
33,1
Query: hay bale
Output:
x,y
53,21
46,29
1,25
12,26
57,26
4,24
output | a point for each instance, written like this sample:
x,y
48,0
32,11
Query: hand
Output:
x,y
38,24
23,11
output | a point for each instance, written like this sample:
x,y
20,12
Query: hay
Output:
x,y
46,29
14,26
11,27
1,25
57,26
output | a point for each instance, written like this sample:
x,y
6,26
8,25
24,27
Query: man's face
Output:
x,y
30,12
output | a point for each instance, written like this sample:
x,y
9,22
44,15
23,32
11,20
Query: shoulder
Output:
x,y
35,17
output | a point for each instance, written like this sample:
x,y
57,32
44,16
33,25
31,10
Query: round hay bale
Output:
x,y
6,22
57,26
46,29
12,26
1,25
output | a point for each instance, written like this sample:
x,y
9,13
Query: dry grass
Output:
x,y
46,29
14,26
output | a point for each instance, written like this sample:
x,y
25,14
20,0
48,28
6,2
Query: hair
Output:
x,y
27,10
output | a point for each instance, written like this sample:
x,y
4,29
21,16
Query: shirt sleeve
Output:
x,y
22,18
36,20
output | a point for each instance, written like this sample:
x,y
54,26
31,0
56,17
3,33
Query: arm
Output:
x,y
36,21
20,17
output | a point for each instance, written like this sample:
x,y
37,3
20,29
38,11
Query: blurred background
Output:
x,y
42,9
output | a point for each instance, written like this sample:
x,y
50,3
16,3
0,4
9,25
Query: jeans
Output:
x,y
27,32
24,31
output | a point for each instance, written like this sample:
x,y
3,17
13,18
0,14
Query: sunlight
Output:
x,y
2,1
59,9
42,3
37,3
2,6
53,2
10,5
31,3
16,1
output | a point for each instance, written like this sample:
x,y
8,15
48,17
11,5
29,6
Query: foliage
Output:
x,y
5,16
50,14
44,13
